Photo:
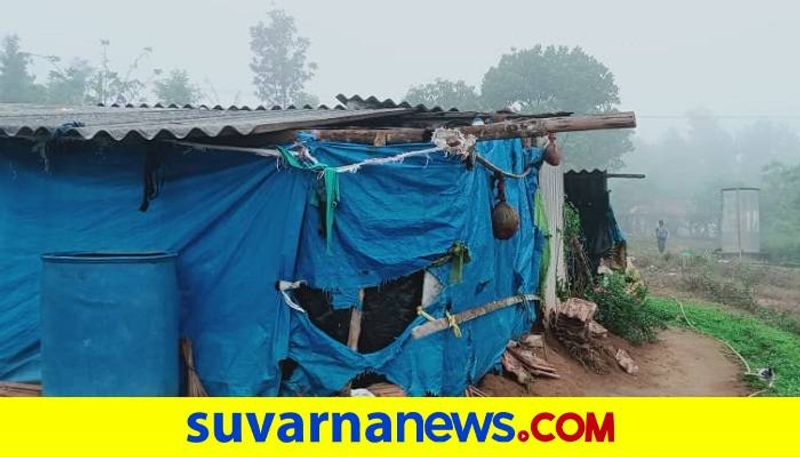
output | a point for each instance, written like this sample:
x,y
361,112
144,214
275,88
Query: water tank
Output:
x,y
740,228
109,324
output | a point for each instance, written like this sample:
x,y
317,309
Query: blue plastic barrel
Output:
x,y
109,324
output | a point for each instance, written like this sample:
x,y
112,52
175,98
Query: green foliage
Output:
x,y
780,212
17,83
108,86
686,170
305,98
279,59
446,94
70,86
621,308
543,79
572,222
176,88
579,275
731,285
760,342
547,79
559,78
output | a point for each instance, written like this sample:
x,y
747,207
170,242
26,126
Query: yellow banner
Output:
x,y
388,427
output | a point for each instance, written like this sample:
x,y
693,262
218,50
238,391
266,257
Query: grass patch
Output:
x,y
763,344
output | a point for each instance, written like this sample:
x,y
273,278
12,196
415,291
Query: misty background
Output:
x,y
714,84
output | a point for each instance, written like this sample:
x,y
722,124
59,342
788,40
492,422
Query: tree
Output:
x,y
176,88
108,86
558,78
305,98
70,86
17,84
279,59
780,211
446,94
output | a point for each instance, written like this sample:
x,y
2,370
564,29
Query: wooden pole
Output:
x,y
508,129
355,329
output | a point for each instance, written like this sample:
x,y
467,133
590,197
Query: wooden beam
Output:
x,y
431,327
508,129
626,175
355,329
355,324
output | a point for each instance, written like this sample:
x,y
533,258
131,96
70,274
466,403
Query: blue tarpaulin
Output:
x,y
240,223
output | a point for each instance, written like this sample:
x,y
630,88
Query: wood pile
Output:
x,y
521,361
574,326
586,340
386,389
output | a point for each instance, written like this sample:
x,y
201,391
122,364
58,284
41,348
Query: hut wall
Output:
x,y
551,185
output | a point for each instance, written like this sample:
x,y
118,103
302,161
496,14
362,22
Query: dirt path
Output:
x,y
680,363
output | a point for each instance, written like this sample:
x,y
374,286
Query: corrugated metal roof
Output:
x,y
24,120
373,102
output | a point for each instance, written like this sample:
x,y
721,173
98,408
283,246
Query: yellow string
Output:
x,y
451,321
427,316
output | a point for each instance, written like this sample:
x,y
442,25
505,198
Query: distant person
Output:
x,y
662,233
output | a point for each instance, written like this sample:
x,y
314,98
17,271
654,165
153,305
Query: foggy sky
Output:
x,y
737,58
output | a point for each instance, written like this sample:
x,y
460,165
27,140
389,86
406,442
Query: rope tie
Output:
x,y
421,312
451,321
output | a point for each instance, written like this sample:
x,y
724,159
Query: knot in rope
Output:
x,y
451,322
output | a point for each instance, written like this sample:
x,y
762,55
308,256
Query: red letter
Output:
x,y
603,432
560,427
535,427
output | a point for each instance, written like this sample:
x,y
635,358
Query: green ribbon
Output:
x,y
540,220
459,255
330,179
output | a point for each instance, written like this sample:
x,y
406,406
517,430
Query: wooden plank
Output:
x,y
626,175
355,329
440,324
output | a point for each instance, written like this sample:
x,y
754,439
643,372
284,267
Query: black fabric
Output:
x,y
588,193
388,311
317,303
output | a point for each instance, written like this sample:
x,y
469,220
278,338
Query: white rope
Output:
x,y
453,141
353,168
447,141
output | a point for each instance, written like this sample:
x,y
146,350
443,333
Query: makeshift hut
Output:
x,y
587,192
314,245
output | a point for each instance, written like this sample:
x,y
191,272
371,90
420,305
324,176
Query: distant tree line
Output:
x,y
540,80
279,65
80,82
687,169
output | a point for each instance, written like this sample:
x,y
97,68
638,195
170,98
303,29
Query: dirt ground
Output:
x,y
680,363
776,287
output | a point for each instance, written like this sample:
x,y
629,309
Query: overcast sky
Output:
x,y
736,58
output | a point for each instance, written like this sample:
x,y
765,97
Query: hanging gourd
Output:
x,y
505,220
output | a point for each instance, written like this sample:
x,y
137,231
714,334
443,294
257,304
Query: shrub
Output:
x,y
621,308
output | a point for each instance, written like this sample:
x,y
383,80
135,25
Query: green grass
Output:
x,y
762,343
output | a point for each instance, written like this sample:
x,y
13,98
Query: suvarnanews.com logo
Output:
x,y
400,427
